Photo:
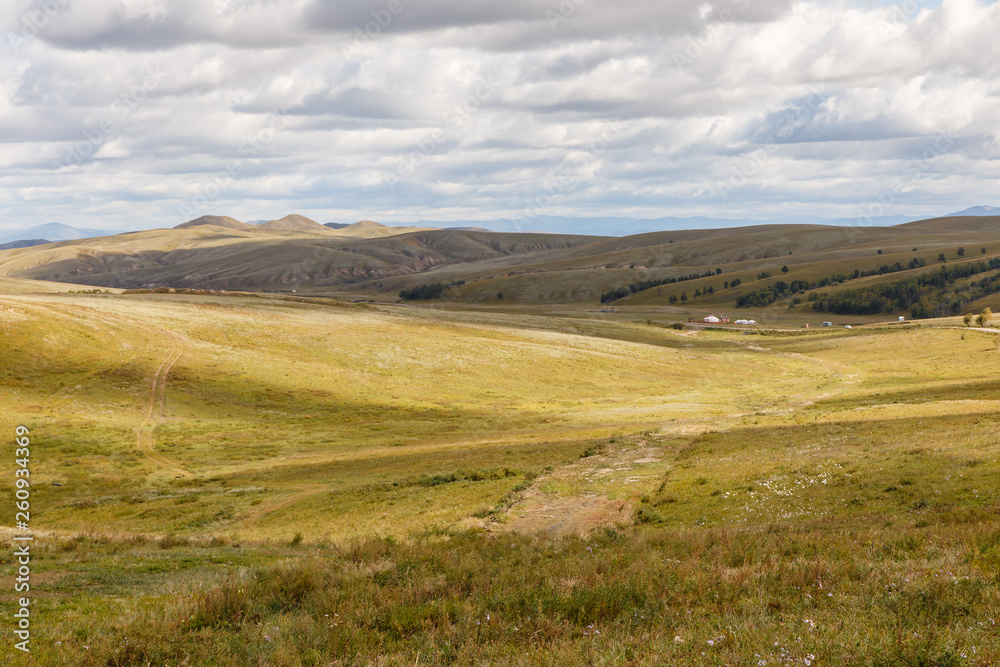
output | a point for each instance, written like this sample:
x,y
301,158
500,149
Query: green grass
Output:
x,y
381,486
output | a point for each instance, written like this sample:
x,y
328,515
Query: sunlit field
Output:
x,y
259,480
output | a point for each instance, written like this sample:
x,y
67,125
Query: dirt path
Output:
x,y
157,401
158,383
145,440
157,389
537,511
304,491
577,515
983,329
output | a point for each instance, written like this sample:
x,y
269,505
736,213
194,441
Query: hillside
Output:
x,y
224,253
267,480
25,243
217,221
368,229
369,259
294,223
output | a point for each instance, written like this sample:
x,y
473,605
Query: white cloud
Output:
x,y
133,112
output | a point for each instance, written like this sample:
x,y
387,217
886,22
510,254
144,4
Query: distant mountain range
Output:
x,y
624,226
975,211
601,226
53,231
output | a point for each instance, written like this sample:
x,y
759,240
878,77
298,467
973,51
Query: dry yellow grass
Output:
x,y
391,467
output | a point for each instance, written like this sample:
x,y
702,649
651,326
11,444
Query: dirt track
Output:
x,y
157,400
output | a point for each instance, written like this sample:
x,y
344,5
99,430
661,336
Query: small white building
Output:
x,y
711,319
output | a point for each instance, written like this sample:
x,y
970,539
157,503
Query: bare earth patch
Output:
x,y
566,516
578,513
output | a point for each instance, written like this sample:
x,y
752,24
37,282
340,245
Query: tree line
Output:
x,y
426,292
641,285
928,295
765,296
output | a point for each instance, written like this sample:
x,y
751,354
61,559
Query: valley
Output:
x,y
333,475
203,439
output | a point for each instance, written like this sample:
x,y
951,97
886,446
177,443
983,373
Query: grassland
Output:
x,y
346,484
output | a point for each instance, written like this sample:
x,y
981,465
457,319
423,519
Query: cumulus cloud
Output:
x,y
137,113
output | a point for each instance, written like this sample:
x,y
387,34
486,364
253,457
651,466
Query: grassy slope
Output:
x,y
766,474
724,299
526,268
281,256
583,273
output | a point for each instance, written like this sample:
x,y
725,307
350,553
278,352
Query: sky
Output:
x,y
133,114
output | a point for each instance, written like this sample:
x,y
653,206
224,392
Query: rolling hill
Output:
x,y
244,479
25,243
367,259
221,252
294,223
